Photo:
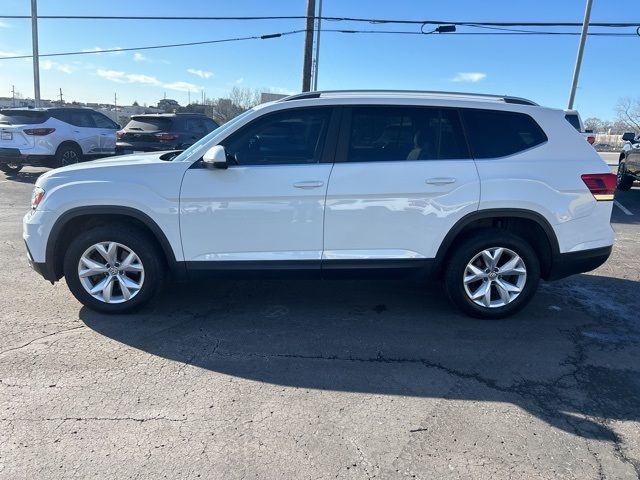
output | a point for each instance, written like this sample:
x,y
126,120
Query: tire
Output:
x,y
623,181
10,168
68,154
458,267
146,270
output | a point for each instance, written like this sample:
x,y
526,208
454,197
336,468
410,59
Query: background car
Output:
x,y
629,164
167,131
53,137
573,117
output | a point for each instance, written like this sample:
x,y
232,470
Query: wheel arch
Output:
x,y
72,143
71,220
543,238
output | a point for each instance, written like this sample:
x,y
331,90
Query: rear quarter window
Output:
x,y
494,133
22,117
573,119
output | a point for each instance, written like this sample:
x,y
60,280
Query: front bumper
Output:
x,y
565,264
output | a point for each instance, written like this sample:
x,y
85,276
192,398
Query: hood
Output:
x,y
111,163
111,169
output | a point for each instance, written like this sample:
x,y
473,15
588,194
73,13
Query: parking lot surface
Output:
x,y
311,379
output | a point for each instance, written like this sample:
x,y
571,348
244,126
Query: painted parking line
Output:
x,y
622,207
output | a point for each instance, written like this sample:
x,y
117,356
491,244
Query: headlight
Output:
x,y
36,197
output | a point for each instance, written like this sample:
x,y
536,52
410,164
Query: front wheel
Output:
x,y
68,154
113,269
10,168
493,274
623,181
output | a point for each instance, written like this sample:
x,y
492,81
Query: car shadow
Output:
x,y
400,338
23,177
628,209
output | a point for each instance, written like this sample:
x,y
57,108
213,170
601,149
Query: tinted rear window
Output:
x,y
497,134
22,117
149,124
573,120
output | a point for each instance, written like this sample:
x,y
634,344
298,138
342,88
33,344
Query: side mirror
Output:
x,y
629,137
215,157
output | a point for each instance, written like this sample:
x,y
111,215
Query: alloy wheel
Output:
x,y
494,277
111,272
69,157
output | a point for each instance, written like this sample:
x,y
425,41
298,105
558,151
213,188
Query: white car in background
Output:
x,y
573,117
53,137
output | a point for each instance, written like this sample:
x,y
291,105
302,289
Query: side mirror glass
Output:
x,y
215,157
628,137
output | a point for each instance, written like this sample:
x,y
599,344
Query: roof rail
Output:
x,y
318,94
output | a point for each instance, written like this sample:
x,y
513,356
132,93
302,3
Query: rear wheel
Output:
x,y
68,154
10,168
493,274
113,269
623,181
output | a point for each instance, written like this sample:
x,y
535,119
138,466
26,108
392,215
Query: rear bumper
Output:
x,y
565,264
123,148
16,157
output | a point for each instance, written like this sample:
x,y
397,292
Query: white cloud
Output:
x,y
4,24
200,73
123,77
182,86
138,57
7,53
98,50
469,77
60,67
240,80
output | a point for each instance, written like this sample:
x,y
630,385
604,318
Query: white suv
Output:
x,y
490,194
53,137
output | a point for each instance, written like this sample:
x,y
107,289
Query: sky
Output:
x,y
535,67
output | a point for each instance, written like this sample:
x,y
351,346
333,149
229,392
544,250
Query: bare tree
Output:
x,y
628,111
238,100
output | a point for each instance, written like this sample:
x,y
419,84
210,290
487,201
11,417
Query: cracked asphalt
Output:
x,y
306,379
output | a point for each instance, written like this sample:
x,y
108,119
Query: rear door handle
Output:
x,y
309,184
440,180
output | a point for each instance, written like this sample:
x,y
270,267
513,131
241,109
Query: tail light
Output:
x,y
39,131
591,140
119,134
601,185
166,137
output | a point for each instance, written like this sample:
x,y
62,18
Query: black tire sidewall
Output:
x,y
467,249
623,182
134,239
9,169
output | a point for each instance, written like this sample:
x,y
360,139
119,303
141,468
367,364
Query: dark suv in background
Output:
x,y
166,131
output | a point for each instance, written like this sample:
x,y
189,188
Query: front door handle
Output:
x,y
309,184
440,180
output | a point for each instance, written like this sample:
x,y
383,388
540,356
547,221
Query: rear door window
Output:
x,y
102,121
79,118
382,133
494,133
22,117
149,124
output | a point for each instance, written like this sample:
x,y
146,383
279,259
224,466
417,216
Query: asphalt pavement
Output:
x,y
311,379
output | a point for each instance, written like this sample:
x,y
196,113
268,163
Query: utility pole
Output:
x,y
583,39
316,63
34,43
13,96
61,97
189,97
115,105
308,46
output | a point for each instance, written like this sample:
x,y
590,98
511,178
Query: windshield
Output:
x,y
149,124
198,149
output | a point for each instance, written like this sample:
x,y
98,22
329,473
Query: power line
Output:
x,y
340,19
152,47
330,30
